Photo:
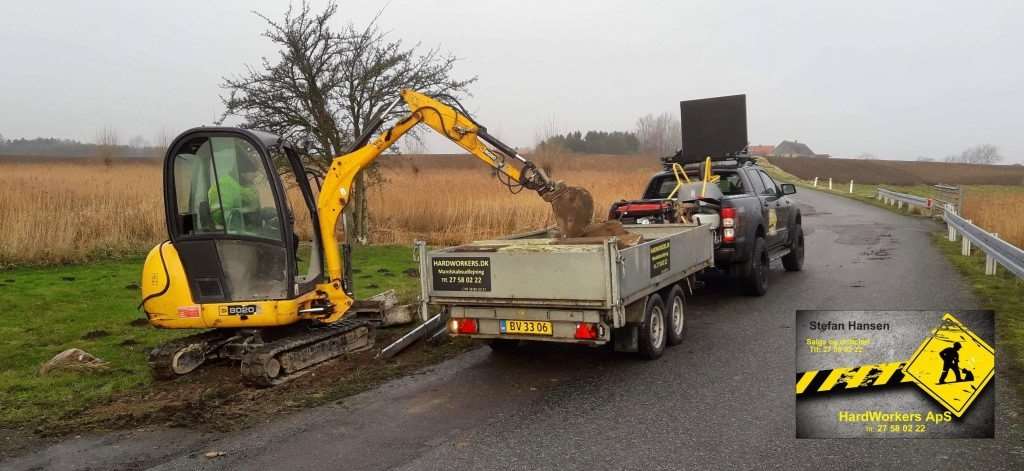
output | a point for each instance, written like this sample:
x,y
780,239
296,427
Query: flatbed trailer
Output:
x,y
534,287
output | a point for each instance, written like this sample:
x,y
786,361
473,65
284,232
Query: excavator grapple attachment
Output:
x,y
573,207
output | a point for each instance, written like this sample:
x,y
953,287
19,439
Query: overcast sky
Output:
x,y
896,79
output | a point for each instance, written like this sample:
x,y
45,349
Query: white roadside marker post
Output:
x,y
815,182
990,263
965,245
829,183
851,187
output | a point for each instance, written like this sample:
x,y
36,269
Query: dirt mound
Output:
x,y
895,172
214,398
73,359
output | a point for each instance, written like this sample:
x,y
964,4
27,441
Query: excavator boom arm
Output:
x,y
336,189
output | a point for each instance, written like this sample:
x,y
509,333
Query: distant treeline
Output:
x,y
593,142
54,147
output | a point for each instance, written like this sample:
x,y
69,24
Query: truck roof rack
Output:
x,y
741,159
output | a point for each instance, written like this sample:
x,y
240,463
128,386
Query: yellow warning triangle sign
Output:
x,y
953,365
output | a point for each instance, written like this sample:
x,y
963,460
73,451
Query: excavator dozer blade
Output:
x,y
574,209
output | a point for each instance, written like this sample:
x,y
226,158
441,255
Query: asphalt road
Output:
x,y
722,400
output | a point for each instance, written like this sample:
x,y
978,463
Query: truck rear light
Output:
x,y
463,326
728,217
586,331
728,224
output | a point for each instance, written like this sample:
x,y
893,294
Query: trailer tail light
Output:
x,y
586,331
463,326
728,224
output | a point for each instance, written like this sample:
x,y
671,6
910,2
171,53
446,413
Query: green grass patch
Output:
x,y
92,307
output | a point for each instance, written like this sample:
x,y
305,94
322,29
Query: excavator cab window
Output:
x,y
301,190
222,188
228,219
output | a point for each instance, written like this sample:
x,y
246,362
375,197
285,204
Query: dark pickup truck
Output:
x,y
753,218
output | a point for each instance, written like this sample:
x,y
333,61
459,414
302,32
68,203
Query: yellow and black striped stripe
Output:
x,y
845,379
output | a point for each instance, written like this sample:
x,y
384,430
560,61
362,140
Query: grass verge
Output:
x,y
93,307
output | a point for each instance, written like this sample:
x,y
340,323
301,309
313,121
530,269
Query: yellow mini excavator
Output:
x,y
232,264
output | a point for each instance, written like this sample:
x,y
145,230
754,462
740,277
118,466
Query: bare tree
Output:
x,y
161,141
659,135
106,144
986,154
548,129
413,145
138,142
325,85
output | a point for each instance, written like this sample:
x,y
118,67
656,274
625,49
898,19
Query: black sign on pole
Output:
x,y
713,127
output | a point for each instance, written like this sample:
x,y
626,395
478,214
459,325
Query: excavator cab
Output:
x,y
231,216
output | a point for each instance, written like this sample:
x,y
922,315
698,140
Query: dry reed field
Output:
x,y
60,211
997,209
898,172
451,201
57,211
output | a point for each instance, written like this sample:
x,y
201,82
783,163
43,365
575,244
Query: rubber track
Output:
x,y
254,363
160,357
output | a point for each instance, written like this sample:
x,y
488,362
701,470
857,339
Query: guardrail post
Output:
x,y
952,233
965,245
899,204
990,262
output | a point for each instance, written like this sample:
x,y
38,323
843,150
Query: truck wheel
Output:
x,y
757,270
794,260
676,316
502,345
653,331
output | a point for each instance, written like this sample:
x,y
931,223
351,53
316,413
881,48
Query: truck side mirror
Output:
x,y
788,188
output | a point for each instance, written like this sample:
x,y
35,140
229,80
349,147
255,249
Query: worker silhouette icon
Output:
x,y
951,361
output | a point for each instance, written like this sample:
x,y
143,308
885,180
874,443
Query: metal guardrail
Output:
x,y
899,199
997,251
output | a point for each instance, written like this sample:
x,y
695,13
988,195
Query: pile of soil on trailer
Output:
x,y
213,398
897,172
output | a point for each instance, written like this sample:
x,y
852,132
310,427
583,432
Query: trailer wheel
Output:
x,y
503,345
676,316
653,331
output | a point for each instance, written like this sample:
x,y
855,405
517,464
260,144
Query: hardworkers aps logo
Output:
x,y
952,365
